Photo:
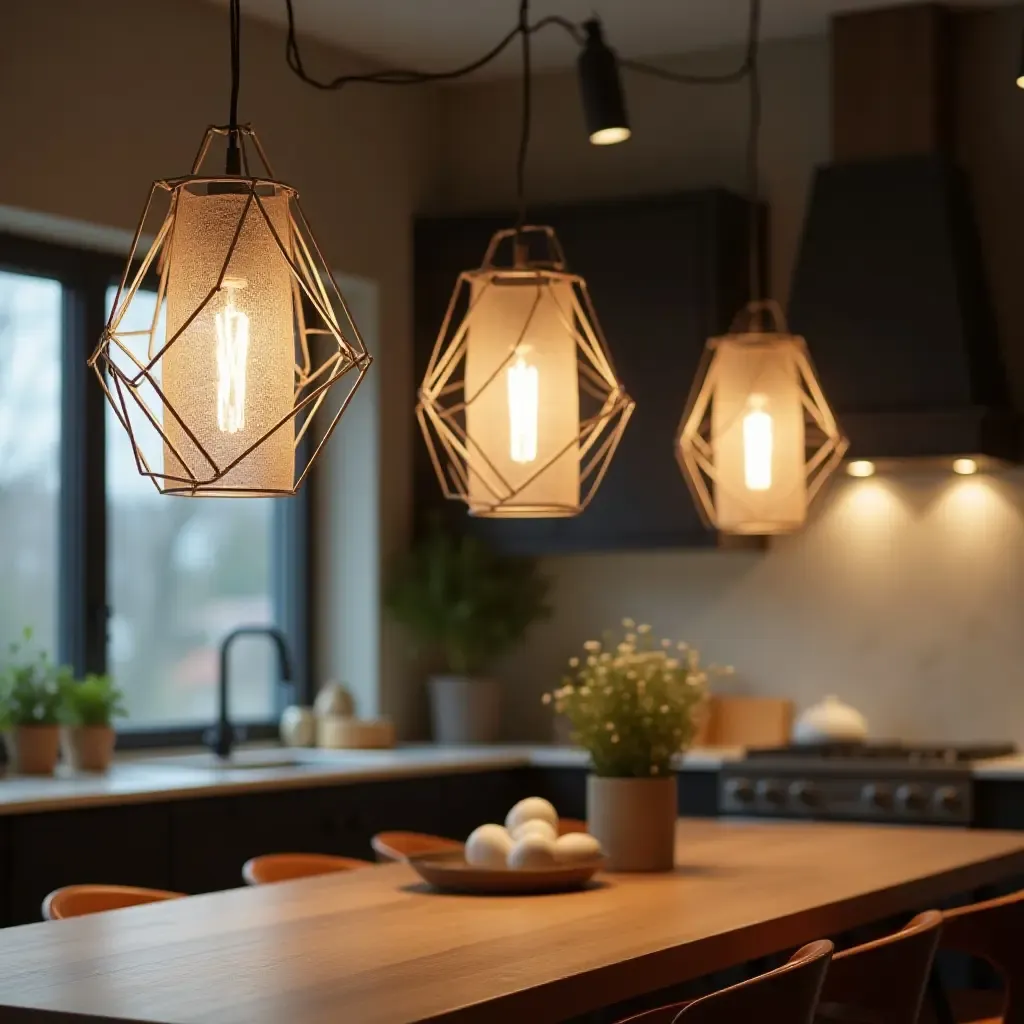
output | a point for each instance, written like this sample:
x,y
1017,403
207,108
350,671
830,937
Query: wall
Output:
x,y
903,595
100,98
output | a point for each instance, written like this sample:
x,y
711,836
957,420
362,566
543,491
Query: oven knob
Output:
x,y
771,792
877,795
911,797
741,790
947,798
805,793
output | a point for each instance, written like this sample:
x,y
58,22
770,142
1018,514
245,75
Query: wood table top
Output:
x,y
376,947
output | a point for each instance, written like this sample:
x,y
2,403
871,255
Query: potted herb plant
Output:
x,y
633,705
464,605
88,712
31,695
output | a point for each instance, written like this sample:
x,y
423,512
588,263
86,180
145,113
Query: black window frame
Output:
x,y
83,610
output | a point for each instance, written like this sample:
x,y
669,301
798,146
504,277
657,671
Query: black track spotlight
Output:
x,y
604,105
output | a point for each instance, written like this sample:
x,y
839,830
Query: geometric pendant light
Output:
x,y
222,381
520,407
757,439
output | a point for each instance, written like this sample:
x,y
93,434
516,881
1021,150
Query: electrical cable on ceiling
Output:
x,y
753,150
400,76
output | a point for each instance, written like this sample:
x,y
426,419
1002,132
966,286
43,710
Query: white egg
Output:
x,y
532,851
536,826
533,807
488,846
576,847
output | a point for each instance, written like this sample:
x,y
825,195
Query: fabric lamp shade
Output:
x,y
521,370
230,376
758,439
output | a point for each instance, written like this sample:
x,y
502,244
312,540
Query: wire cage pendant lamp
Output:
x,y
520,407
219,382
757,439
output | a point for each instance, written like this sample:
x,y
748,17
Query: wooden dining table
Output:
x,y
376,946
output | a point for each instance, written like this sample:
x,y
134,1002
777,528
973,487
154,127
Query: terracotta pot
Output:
x,y
634,820
88,748
464,710
32,749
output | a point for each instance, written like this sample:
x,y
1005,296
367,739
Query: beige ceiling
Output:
x,y
435,34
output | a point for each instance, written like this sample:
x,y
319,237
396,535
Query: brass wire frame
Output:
x,y
311,283
443,399
694,451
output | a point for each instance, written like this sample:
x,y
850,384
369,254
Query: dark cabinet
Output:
x,y
663,274
468,800
123,845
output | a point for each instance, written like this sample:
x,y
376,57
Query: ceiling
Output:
x,y
436,34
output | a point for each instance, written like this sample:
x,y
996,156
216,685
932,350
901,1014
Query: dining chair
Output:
x,y
400,846
882,982
992,931
787,995
283,867
76,900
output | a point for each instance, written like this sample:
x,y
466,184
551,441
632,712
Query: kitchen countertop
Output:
x,y
179,775
1009,768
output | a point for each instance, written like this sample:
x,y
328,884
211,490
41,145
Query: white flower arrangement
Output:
x,y
631,704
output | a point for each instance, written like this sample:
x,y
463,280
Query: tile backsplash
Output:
x,y
904,596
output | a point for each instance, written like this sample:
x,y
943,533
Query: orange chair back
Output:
x,y
883,981
282,867
787,995
76,900
400,846
567,825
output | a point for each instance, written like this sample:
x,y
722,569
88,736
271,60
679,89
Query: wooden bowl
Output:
x,y
450,872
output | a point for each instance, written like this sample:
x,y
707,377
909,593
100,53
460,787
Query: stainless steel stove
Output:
x,y
893,782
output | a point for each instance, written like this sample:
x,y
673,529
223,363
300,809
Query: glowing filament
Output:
x,y
232,353
523,401
757,445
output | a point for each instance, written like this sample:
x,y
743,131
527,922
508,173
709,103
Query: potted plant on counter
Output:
x,y
31,696
633,705
88,712
464,605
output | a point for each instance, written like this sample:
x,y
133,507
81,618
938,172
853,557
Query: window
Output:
x,y
30,363
111,575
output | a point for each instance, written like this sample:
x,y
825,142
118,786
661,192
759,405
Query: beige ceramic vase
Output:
x,y
88,748
634,820
32,749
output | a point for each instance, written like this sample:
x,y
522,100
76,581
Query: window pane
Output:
x,y
30,354
182,573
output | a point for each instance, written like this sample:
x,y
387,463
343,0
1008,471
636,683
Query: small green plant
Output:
x,y
32,688
632,703
464,604
95,700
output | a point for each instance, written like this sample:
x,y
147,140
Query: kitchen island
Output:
x,y
377,947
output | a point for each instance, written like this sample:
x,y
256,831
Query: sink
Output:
x,y
240,761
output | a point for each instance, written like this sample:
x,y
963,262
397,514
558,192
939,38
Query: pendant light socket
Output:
x,y
604,106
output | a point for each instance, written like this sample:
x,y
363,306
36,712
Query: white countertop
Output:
x,y
178,775
1010,767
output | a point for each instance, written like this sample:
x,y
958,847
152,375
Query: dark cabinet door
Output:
x,y
478,798
213,838
118,845
663,275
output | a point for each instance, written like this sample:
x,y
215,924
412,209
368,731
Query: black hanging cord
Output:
x,y
234,163
524,135
753,151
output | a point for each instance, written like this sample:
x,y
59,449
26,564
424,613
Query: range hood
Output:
x,y
889,286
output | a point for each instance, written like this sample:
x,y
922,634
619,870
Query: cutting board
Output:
x,y
745,722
